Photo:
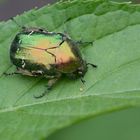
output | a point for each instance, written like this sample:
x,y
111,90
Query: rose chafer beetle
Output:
x,y
38,52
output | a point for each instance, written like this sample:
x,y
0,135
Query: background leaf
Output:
x,y
122,125
114,30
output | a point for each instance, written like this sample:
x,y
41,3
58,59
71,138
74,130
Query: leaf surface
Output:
x,y
114,30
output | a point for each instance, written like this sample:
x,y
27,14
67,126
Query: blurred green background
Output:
x,y
120,125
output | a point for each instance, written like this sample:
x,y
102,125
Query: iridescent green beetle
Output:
x,y
37,52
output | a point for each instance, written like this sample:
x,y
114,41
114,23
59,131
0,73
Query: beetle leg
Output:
x,y
49,86
19,71
12,73
51,82
79,43
9,74
43,30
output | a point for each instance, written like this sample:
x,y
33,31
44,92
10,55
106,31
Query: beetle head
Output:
x,y
81,71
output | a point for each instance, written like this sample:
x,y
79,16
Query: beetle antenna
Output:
x,y
95,66
23,27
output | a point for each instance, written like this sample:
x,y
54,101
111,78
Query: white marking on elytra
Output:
x,y
18,50
40,71
23,63
19,42
37,72
30,33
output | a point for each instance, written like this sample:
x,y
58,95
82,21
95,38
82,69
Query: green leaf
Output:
x,y
114,30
